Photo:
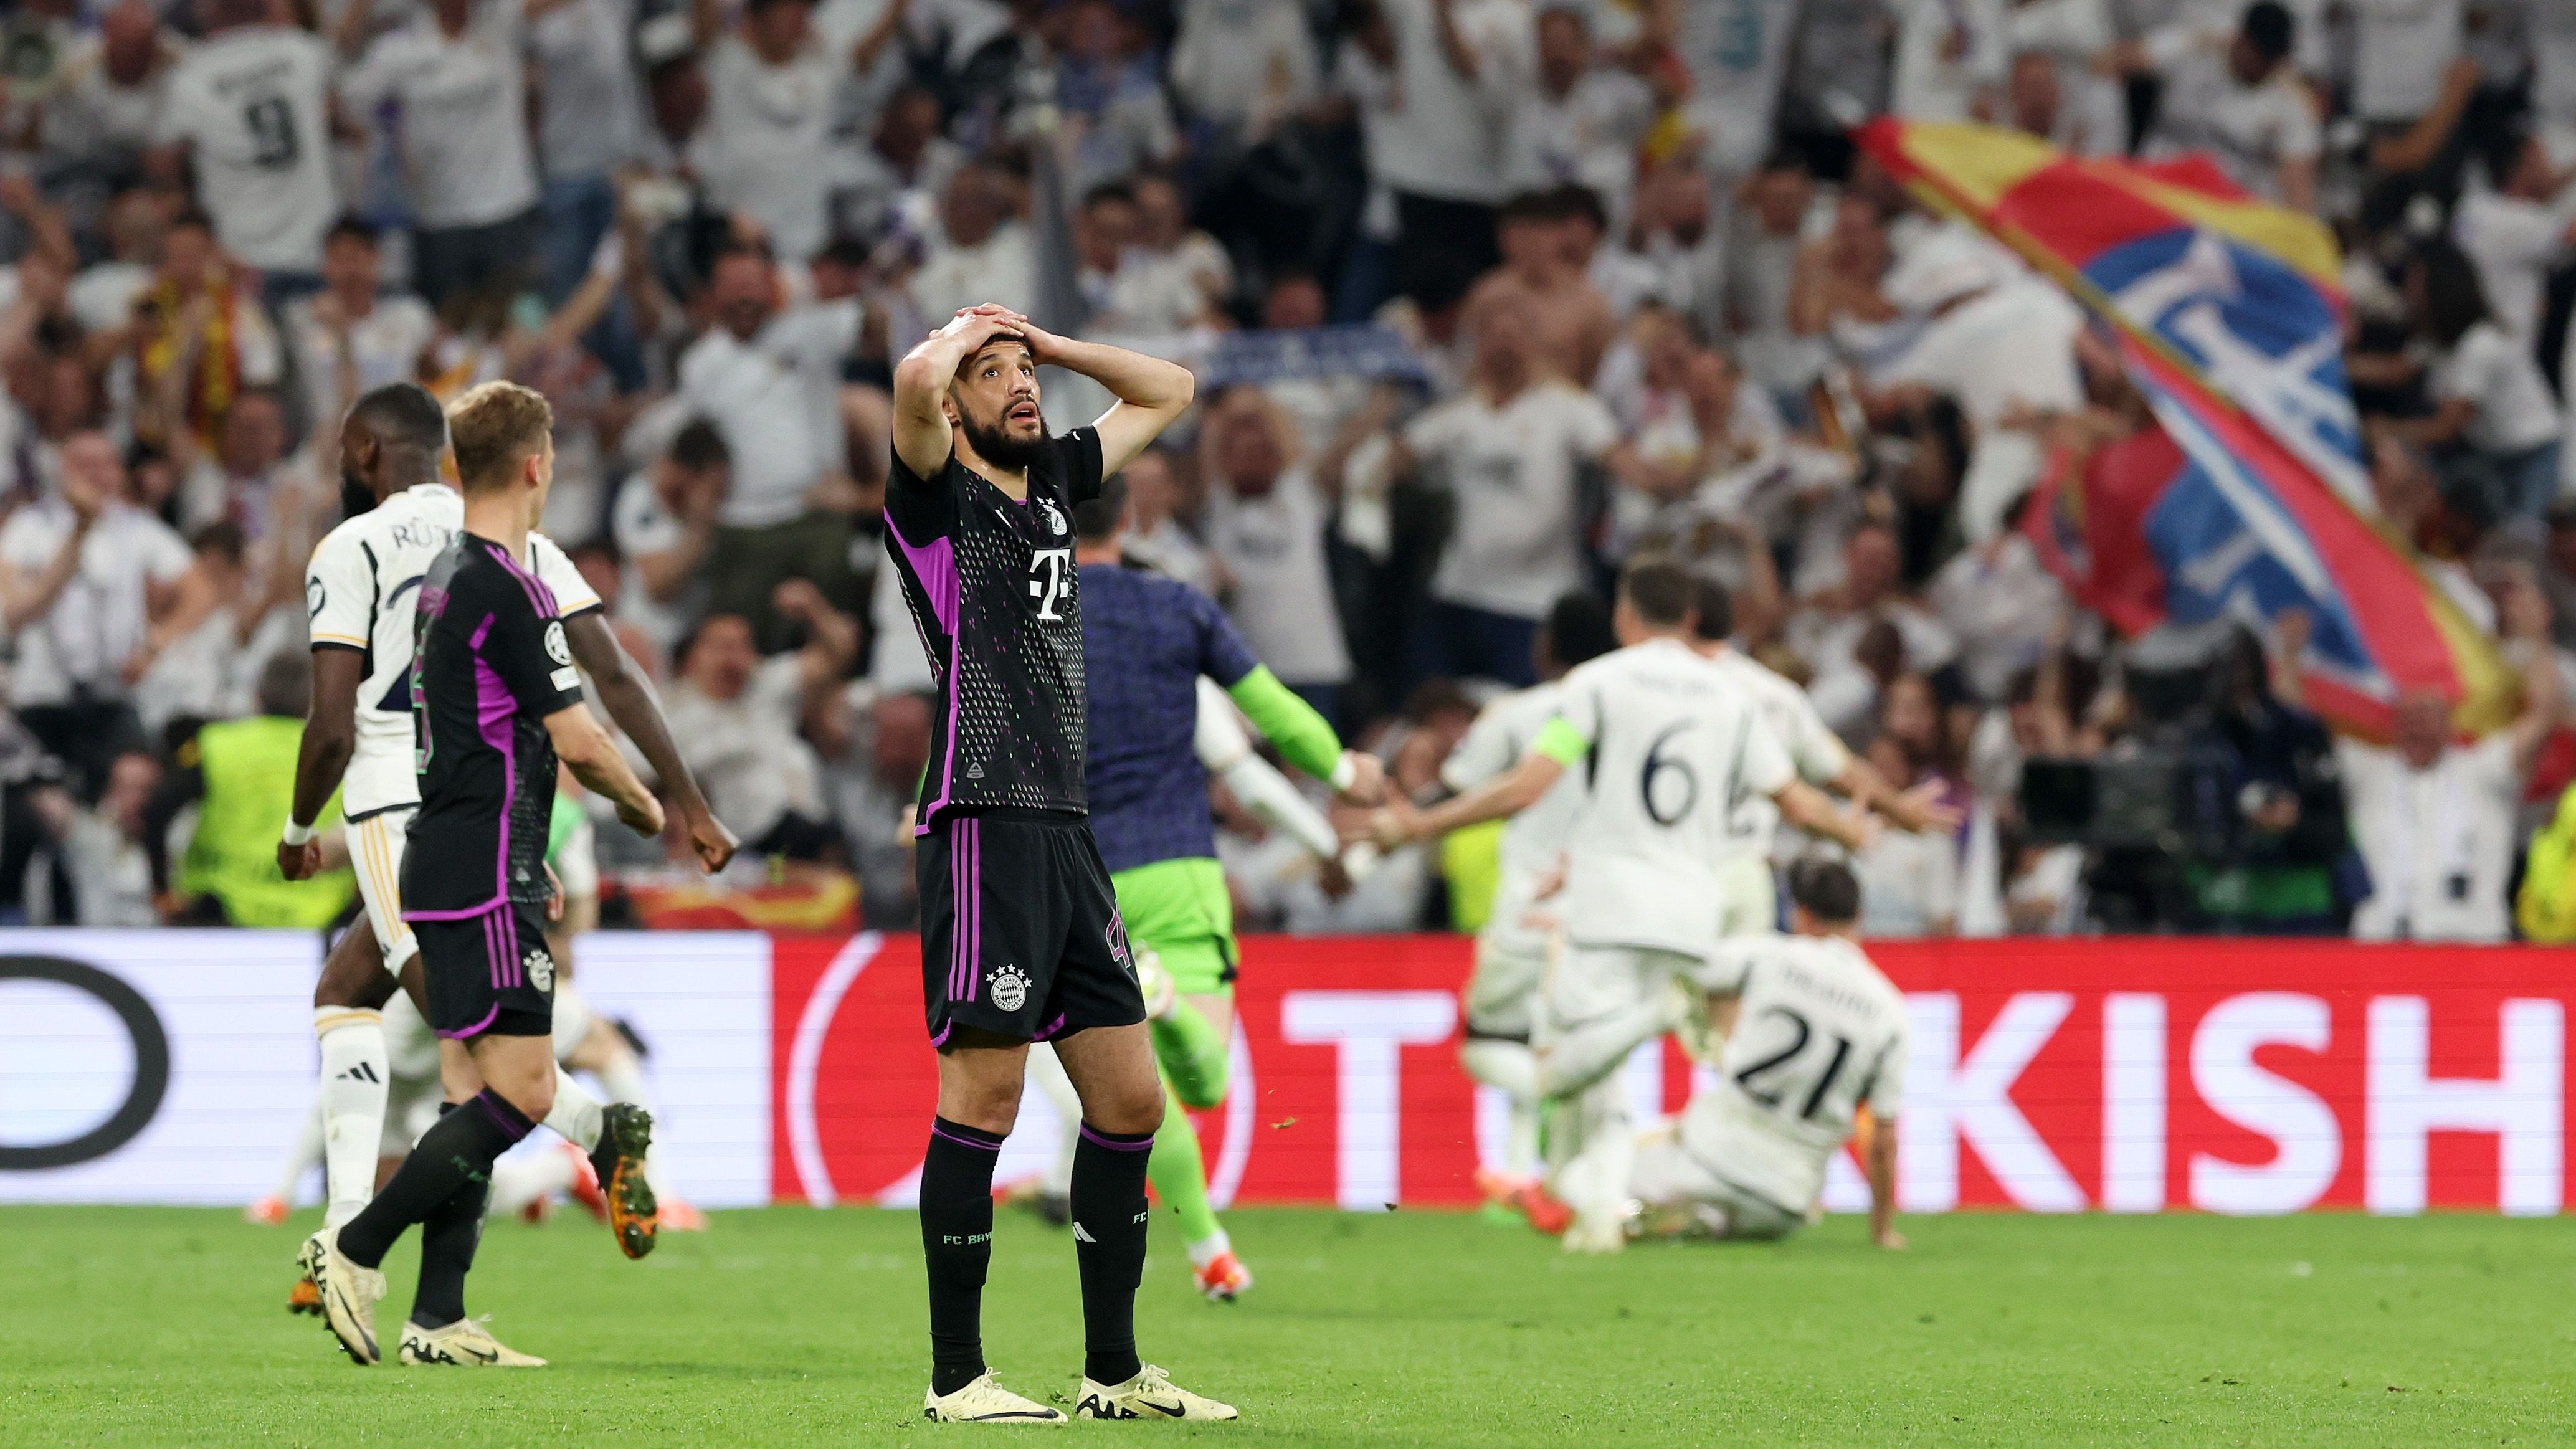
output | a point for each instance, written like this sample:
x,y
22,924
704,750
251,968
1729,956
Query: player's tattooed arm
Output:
x,y
593,758
330,738
631,702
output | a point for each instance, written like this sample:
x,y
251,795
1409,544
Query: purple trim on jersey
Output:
x,y
539,595
494,706
509,917
477,1028
940,1038
482,632
937,1131
1114,1144
465,913
1051,1028
966,871
934,568
493,960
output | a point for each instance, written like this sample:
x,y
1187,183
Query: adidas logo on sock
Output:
x,y
1081,1235
361,1072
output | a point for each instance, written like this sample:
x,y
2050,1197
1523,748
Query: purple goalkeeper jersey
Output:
x,y
1146,639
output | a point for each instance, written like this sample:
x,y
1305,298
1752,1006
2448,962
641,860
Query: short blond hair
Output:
x,y
492,428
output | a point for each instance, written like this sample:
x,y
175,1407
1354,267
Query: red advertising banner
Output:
x,y
2054,1076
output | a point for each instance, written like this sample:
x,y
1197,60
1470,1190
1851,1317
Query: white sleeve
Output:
x,y
1484,753
1220,740
1267,793
166,556
1765,767
339,597
1818,752
1729,966
553,568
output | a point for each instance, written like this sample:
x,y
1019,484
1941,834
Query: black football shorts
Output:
x,y
489,973
1020,933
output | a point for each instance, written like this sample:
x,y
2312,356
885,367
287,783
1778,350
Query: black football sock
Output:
x,y
448,1238
457,1149
1109,1247
957,1243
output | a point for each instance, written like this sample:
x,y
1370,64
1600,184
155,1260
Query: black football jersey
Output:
x,y
992,588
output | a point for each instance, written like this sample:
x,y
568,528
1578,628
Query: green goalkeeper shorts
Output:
x,y
1178,909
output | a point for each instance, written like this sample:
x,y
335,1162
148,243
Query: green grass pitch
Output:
x,y
790,1326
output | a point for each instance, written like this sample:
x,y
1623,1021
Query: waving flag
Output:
x,y
2253,497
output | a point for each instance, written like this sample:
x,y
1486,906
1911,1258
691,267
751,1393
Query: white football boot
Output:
x,y
349,1294
985,1401
466,1342
1151,1394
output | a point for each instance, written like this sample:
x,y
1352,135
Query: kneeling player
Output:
x,y
496,700
1817,1033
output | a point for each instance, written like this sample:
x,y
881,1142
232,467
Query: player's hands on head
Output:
x,y
299,862
644,817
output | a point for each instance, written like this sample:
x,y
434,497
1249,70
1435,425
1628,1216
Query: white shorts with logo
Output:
x,y
1668,1175
376,853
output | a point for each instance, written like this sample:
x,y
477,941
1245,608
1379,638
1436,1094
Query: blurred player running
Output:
x,y
360,592
1021,939
1818,1034
1501,998
1668,746
1147,640
496,702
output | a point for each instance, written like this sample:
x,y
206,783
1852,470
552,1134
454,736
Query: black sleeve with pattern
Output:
x,y
527,649
1078,454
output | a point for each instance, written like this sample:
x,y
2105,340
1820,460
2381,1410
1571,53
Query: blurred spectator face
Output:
x,y
1713,381
1564,51
134,224
155,479
721,659
1892,761
972,206
1529,245
1294,302
1779,199
1108,230
351,267
743,293
1503,334
127,34
2423,728
91,470
1859,238
130,783
777,28
2530,176
902,745
1673,200
188,255
911,119
1248,451
2033,93
71,399
1151,492
1093,35
1161,221
679,96
1578,236
1869,564
1665,347
30,375
253,436
1910,716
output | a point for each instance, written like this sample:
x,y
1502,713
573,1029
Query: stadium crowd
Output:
x,y
1484,296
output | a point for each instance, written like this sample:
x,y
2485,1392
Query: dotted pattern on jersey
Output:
x,y
1018,695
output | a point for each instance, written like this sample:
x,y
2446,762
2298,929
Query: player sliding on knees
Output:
x,y
496,702
1670,745
1020,934
360,590
1149,645
1818,1033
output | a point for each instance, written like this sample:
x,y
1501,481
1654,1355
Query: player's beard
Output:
x,y
998,446
355,497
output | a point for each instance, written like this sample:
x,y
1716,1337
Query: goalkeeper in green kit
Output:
x,y
1146,641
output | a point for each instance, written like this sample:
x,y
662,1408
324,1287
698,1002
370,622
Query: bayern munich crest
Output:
x,y
1010,987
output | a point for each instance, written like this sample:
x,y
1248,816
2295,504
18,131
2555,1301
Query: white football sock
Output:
x,y
355,1069
575,1116
1511,1068
1207,1249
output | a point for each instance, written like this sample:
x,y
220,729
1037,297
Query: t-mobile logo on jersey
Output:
x,y
1047,568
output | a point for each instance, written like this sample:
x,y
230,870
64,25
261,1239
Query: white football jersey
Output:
x,y
359,593
1815,751
1675,749
251,104
1534,839
1818,1031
